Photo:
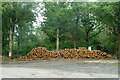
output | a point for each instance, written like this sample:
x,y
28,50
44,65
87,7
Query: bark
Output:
x,y
57,44
115,50
10,43
119,42
119,45
74,44
76,33
18,44
13,33
20,39
87,38
20,35
10,38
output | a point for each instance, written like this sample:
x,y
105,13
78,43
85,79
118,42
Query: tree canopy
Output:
x,y
63,25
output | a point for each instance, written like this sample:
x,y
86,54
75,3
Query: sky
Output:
x,y
39,18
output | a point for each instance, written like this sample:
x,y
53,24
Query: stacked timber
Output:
x,y
81,52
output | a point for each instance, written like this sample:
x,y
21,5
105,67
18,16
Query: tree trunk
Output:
x,y
18,44
12,34
10,38
20,34
119,45
20,39
10,42
87,40
76,32
57,45
74,44
114,51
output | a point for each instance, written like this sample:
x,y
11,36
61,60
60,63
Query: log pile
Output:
x,y
4,58
81,52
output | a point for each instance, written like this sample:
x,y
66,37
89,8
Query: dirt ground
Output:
x,y
75,68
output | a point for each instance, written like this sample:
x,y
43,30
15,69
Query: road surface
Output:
x,y
62,69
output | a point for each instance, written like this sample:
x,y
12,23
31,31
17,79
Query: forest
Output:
x,y
60,25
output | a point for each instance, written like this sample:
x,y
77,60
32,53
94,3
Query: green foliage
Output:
x,y
87,24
